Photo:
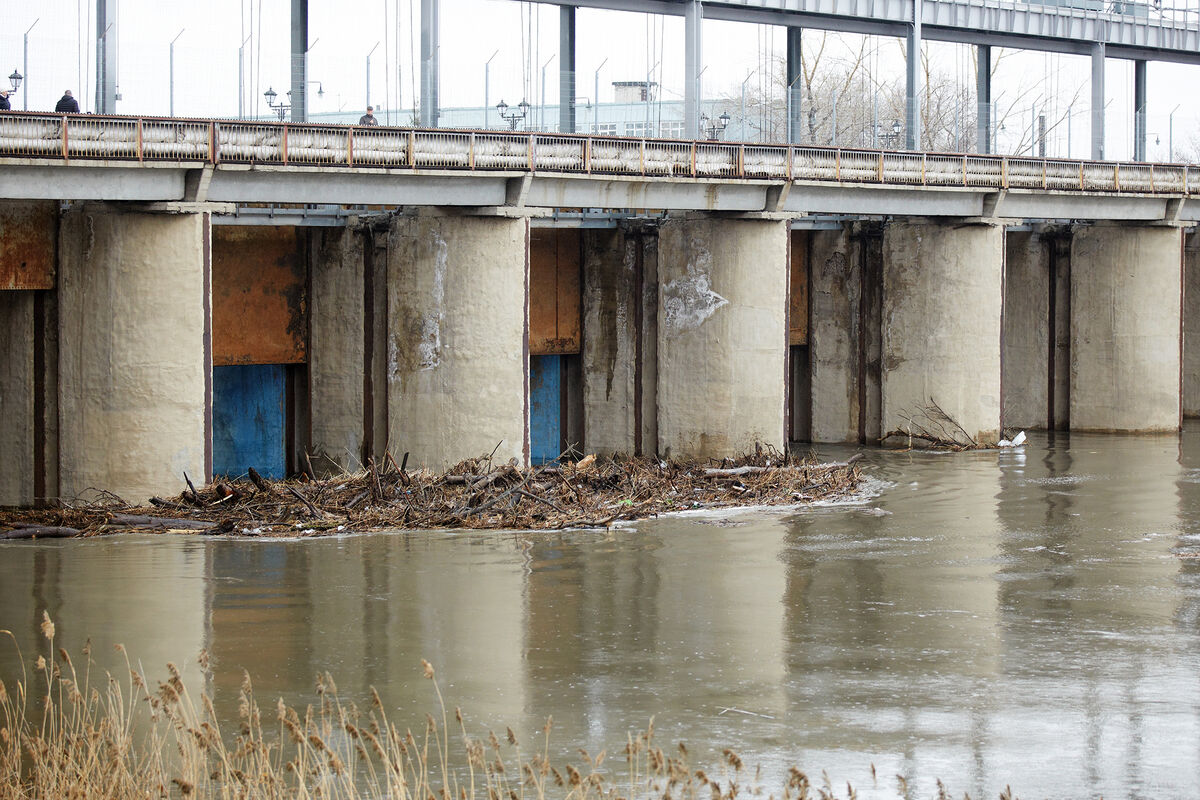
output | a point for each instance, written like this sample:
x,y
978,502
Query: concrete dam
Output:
x,y
203,296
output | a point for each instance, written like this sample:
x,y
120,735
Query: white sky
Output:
x,y
523,36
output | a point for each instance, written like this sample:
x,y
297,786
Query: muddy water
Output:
x,y
1028,618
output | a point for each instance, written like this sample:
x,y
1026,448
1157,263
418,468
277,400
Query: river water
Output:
x,y
1028,617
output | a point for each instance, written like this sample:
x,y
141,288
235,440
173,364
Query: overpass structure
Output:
x,y
140,341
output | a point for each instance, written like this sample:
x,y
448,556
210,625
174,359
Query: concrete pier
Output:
x,y
1191,325
942,293
1035,374
135,356
458,338
620,323
336,348
1126,297
722,335
17,398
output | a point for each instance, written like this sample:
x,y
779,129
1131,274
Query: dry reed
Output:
x,y
64,736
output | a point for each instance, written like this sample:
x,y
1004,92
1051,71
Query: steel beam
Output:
x,y
983,98
1098,101
430,59
795,84
913,88
106,57
299,60
1139,111
566,70
692,57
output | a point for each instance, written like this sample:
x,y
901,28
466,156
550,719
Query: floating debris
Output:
x,y
474,494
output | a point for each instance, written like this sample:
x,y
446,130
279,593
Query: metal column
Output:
x,y
1098,101
912,133
795,84
692,19
106,57
299,60
1139,110
430,28
983,98
566,69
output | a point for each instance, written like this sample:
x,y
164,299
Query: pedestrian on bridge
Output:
x,y
369,117
4,104
68,104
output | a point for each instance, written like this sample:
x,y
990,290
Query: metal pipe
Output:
x,y
542,107
596,99
1171,135
373,49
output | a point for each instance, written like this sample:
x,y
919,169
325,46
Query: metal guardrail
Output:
x,y
91,137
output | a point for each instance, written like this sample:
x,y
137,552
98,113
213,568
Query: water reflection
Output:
x,y
989,618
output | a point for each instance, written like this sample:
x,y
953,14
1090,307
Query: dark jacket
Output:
x,y
67,105
4,104
367,119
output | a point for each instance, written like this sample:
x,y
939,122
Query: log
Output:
x,y
141,522
41,532
258,481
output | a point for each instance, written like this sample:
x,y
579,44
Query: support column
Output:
x,y
1126,287
566,71
1098,101
693,18
983,98
430,62
458,338
795,83
620,330
135,367
1035,359
1139,110
942,293
722,335
299,61
1191,326
17,398
913,87
337,358
106,57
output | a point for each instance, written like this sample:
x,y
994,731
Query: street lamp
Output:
x,y
281,108
713,128
889,138
172,69
15,79
517,114
1171,135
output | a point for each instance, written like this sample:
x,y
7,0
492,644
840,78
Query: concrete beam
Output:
x,y
1126,287
458,339
942,294
722,335
135,366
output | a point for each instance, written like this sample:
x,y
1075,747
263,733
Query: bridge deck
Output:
x,y
90,157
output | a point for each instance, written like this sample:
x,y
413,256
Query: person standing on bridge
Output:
x,y
68,104
369,117
4,104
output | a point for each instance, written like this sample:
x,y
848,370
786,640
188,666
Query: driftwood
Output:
x,y
929,426
40,532
474,494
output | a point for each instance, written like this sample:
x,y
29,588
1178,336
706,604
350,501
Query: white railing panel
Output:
x,y
502,151
317,146
379,147
188,141
716,160
1136,178
986,171
447,150
667,158
857,166
91,137
30,137
814,164
765,162
1099,177
250,142
1026,173
1063,175
557,154
1170,179
903,168
1193,180
944,170
616,155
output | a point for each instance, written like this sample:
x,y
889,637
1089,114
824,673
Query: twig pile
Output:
x,y
477,494
931,427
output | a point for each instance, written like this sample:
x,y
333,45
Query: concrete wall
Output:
x,y
619,272
722,335
1191,325
1126,285
16,398
942,296
458,338
336,344
135,359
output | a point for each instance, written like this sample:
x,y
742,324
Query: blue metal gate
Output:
x,y
545,408
249,412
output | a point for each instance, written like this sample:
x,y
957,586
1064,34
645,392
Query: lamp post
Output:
x,y
369,73
889,137
15,79
172,69
242,79
542,107
281,108
518,114
24,66
1171,135
713,128
596,99
487,101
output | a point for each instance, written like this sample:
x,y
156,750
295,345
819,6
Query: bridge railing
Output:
x,y
133,139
